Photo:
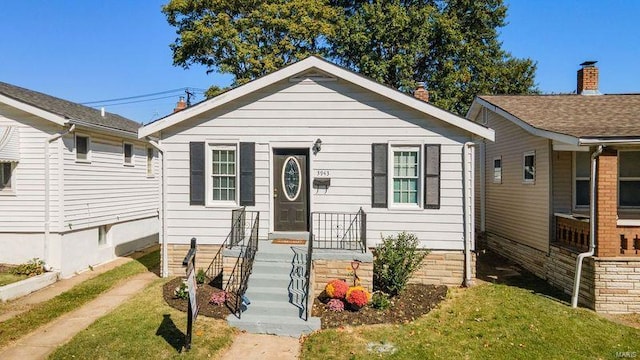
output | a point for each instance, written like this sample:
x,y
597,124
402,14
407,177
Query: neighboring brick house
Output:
x,y
535,193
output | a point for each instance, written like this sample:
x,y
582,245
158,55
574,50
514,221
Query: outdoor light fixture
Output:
x,y
317,146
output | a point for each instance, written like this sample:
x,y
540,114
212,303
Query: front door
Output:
x,y
290,190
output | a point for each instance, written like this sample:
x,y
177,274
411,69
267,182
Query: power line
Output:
x,y
102,102
133,102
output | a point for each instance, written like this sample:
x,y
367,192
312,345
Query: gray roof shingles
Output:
x,y
593,116
68,109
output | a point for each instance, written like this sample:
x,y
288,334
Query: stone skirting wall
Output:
x,y
617,282
177,252
325,270
527,257
560,270
443,268
607,285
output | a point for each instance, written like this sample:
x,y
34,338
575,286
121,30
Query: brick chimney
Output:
x,y
588,79
181,105
421,93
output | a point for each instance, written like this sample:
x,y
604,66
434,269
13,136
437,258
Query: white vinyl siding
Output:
x,y
347,119
103,191
629,179
562,177
23,210
514,209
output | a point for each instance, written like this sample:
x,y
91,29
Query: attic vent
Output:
x,y
312,76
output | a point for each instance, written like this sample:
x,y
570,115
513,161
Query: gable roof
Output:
x,y
60,110
317,63
575,116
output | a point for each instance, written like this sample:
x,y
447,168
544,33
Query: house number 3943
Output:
x,y
323,173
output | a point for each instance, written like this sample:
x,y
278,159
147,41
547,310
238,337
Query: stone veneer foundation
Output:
x,y
439,267
608,284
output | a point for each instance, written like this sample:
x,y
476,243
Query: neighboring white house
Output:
x,y
77,187
314,137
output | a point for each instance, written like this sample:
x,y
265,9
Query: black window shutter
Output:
x,y
247,174
196,173
432,176
379,175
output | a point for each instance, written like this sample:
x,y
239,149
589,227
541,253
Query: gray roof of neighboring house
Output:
x,y
582,116
68,109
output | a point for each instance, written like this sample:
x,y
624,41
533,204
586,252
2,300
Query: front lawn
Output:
x,y
72,299
145,327
489,321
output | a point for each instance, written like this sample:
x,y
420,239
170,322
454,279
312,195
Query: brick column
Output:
x,y
607,237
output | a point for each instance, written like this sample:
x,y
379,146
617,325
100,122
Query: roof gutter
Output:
x,y
105,129
47,190
592,228
609,141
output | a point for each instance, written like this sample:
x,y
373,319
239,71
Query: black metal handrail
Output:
x,y
238,220
238,279
307,276
339,231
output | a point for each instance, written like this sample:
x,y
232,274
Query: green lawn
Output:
x,y
7,278
485,322
145,327
80,294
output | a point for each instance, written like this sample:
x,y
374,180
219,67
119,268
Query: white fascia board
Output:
x,y
57,119
559,146
105,129
314,62
567,139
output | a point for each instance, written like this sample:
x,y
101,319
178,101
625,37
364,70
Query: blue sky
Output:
x,y
95,50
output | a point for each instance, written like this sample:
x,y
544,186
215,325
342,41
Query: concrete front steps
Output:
x,y
275,286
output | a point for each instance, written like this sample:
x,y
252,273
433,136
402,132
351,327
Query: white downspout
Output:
x,y
163,210
467,201
47,191
592,228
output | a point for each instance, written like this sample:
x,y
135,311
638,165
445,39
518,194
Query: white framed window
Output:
x,y
629,179
581,179
6,176
406,181
102,234
150,154
127,154
497,170
222,170
529,167
83,148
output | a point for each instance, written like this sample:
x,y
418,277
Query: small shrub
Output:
x,y
33,267
336,289
182,291
201,276
335,305
357,297
218,298
380,300
396,258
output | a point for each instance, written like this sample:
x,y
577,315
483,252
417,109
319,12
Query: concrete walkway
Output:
x,y
43,341
23,304
263,347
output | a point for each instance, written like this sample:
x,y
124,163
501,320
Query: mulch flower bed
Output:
x,y
203,295
413,302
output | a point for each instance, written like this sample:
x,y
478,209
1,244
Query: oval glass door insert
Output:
x,y
291,179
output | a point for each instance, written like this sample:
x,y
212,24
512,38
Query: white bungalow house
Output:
x,y
315,138
77,187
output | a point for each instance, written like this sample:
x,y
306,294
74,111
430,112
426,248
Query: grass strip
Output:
x,y
72,299
145,327
484,322
6,279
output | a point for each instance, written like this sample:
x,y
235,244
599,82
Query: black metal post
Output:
x,y
190,262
